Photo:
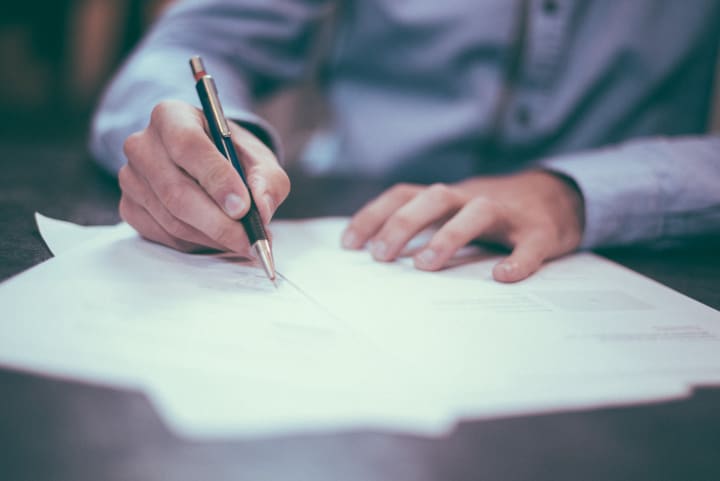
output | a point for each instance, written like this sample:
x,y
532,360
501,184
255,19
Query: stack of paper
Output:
x,y
346,342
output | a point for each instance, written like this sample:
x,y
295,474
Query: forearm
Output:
x,y
249,46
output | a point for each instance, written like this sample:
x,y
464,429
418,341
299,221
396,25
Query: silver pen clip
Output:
x,y
198,69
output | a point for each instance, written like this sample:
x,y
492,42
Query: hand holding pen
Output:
x,y
179,190
221,135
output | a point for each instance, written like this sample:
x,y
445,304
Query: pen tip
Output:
x,y
262,248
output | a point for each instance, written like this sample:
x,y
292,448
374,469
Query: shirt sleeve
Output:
x,y
648,190
250,47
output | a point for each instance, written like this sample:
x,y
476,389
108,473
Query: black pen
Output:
x,y
205,86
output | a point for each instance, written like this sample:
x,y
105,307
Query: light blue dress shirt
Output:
x,y
614,94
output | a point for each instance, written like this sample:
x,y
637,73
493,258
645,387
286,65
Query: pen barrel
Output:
x,y
205,89
252,222
220,133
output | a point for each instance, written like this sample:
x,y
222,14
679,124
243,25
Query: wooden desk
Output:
x,y
57,430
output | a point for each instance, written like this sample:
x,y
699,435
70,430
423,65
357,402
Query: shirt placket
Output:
x,y
545,42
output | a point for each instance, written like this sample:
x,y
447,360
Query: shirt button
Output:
x,y
523,116
549,7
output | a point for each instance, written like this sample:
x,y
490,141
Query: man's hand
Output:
x,y
538,214
178,190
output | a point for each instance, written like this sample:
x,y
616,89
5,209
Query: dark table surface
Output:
x,y
61,430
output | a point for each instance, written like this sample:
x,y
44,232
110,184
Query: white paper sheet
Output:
x,y
583,331
204,336
347,342
61,236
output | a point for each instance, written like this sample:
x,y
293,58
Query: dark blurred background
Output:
x,y
56,56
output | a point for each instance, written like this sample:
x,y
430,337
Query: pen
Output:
x,y
220,131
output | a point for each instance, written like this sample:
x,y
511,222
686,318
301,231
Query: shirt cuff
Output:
x,y
260,128
621,193
126,106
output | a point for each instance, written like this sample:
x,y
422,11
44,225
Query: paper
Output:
x,y
61,236
203,336
582,332
346,342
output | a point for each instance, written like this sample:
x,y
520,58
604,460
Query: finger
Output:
x,y
268,182
430,205
135,215
136,188
181,195
368,220
479,217
526,258
180,128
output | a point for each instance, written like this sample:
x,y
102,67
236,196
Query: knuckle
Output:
x,y
132,145
131,187
282,182
125,211
483,206
400,221
124,178
129,213
185,139
357,224
217,175
175,228
174,196
479,202
440,191
162,111
450,236
364,221
403,189
443,194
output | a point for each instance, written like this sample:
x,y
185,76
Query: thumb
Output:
x,y
526,258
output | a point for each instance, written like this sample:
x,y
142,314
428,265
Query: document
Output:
x,y
345,342
203,336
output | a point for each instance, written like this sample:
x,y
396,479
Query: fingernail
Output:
x,y
426,258
378,249
348,239
507,267
234,205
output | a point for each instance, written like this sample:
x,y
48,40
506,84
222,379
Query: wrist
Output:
x,y
568,198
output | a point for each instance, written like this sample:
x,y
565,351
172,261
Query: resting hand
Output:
x,y
178,190
537,214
